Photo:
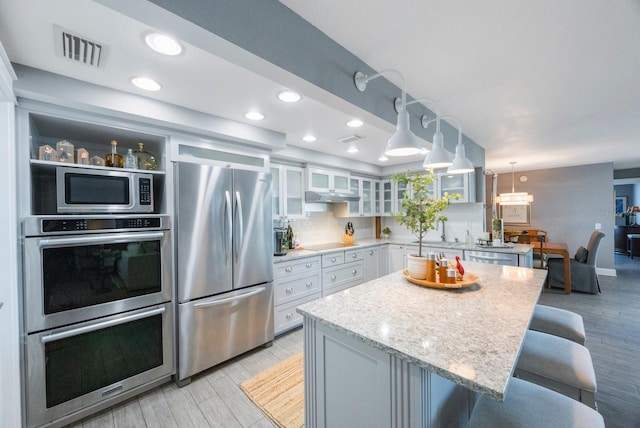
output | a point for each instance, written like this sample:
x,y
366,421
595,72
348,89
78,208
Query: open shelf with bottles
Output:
x,y
38,129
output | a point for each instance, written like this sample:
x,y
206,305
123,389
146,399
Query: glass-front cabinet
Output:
x,y
377,197
288,191
325,180
386,197
463,184
363,187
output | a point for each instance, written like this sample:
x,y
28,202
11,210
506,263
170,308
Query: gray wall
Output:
x,y
568,202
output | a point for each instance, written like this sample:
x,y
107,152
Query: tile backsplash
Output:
x,y
323,227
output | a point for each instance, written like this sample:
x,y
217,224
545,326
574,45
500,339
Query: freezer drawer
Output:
x,y
215,329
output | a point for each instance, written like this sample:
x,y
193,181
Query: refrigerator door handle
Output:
x,y
217,302
228,234
239,238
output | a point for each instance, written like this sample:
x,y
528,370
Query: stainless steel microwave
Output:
x,y
84,190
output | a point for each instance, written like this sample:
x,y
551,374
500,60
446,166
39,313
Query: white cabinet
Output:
x,y
363,187
297,281
377,197
341,270
463,184
386,197
288,191
325,180
383,260
396,258
376,261
371,263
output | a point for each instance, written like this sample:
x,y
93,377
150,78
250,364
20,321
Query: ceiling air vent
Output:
x,y
78,48
350,138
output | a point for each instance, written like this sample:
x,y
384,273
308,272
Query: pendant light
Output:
x,y
403,142
514,198
438,157
461,164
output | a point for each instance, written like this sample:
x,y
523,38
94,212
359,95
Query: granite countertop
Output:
x,y
302,252
471,336
364,243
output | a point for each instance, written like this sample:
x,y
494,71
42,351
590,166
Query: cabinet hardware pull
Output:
x,y
333,277
354,272
289,316
309,284
333,259
308,265
289,290
288,269
353,256
371,252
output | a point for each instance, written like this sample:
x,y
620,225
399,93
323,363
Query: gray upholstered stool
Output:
x,y
527,405
631,238
558,322
558,364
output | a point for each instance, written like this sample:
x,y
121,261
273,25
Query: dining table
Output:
x,y
559,248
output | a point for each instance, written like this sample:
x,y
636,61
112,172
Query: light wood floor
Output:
x,y
214,399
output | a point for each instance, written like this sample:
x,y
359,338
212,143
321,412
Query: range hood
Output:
x,y
330,197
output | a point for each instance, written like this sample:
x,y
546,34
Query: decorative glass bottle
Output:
x,y
130,160
145,159
114,159
497,231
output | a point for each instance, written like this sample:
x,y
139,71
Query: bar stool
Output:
x,y
631,238
558,322
527,405
558,364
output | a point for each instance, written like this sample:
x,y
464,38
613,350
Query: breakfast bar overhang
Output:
x,y
391,353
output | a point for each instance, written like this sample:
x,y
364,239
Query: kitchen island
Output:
x,y
390,353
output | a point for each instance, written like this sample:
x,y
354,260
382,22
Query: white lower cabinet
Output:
x,y
371,263
396,258
297,281
341,270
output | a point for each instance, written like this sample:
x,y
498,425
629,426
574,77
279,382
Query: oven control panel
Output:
x,y
71,224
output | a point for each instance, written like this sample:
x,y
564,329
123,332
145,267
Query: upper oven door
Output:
x,y
81,190
75,278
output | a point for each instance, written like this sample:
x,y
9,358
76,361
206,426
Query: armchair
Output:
x,y
583,273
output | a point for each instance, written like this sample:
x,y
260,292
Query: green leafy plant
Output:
x,y
386,231
420,211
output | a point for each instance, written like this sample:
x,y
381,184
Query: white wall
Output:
x,y
10,392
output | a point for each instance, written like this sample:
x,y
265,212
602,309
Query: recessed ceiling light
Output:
x,y
289,96
163,44
309,138
355,123
353,150
383,158
146,83
254,115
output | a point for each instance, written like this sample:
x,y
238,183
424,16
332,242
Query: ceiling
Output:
x,y
544,83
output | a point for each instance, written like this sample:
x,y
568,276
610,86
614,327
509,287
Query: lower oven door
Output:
x,y
70,279
79,366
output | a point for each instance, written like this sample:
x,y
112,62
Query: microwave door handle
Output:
x,y
101,325
240,225
229,225
111,239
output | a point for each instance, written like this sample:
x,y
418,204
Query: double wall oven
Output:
x,y
98,312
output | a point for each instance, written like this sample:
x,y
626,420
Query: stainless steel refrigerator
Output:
x,y
224,264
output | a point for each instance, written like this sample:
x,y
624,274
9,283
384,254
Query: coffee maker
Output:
x,y
279,234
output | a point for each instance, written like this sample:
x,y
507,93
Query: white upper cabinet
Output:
x,y
365,188
325,180
288,191
463,184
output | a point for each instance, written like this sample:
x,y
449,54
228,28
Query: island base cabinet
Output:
x,y
350,383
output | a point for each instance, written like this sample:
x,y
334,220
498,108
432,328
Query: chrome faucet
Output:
x,y
443,236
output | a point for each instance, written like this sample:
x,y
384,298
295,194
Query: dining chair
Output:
x,y
583,267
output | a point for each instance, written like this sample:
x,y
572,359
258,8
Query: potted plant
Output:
x,y
386,232
420,212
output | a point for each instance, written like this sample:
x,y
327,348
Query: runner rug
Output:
x,y
279,392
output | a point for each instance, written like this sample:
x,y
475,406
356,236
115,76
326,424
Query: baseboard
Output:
x,y
606,272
